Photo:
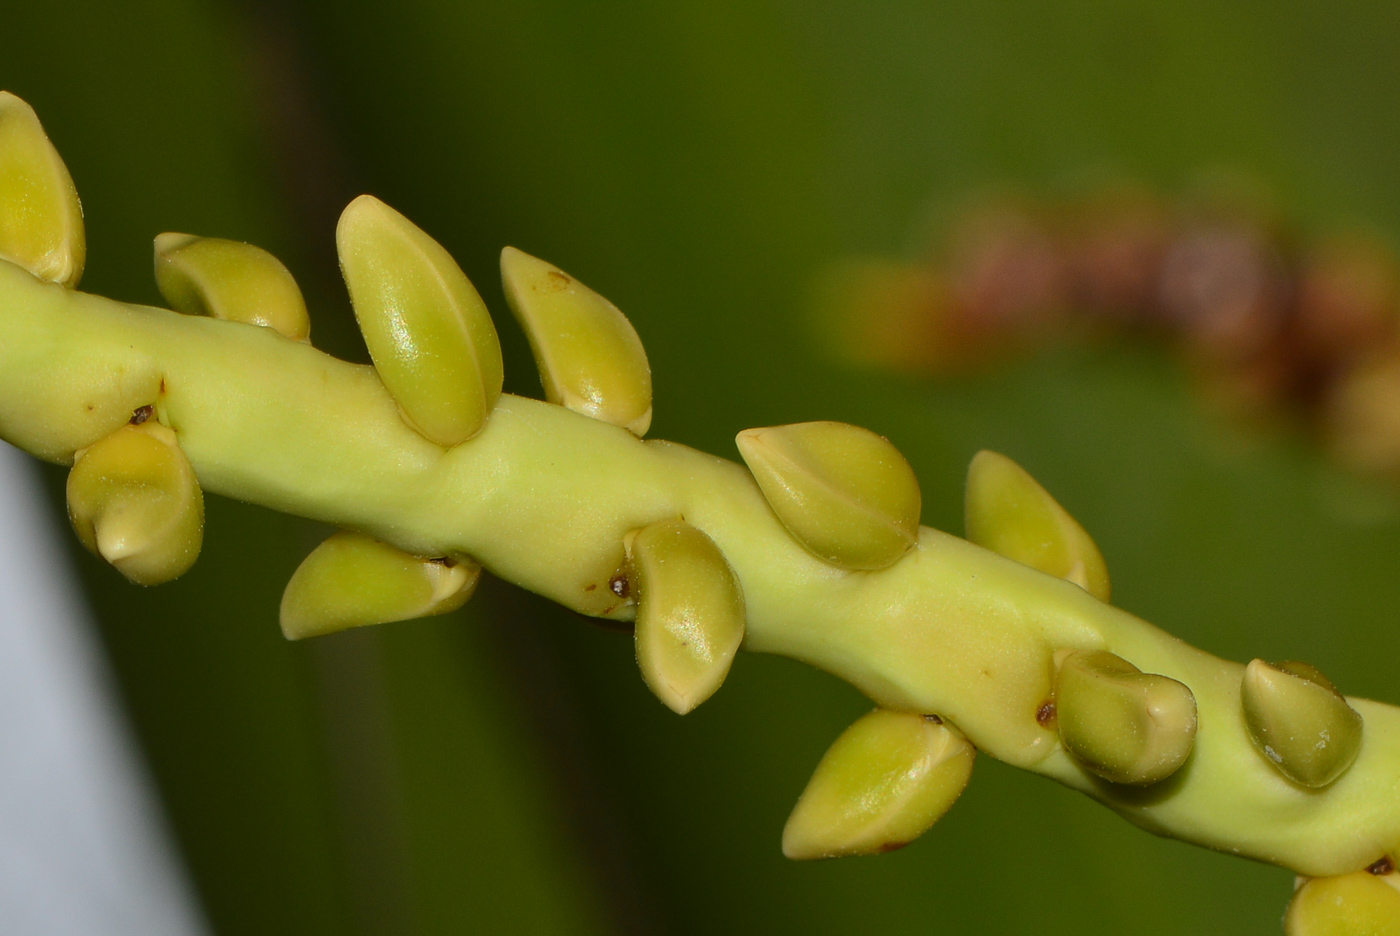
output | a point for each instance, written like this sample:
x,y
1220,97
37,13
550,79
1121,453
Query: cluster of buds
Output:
x,y
1004,642
1274,324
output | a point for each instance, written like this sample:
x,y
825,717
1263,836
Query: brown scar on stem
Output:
x,y
141,414
1045,715
933,718
1385,866
619,585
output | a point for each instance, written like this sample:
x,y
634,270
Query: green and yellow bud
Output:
x,y
589,355
885,781
426,328
230,280
134,500
352,580
844,492
1008,512
1300,722
690,612
1356,904
1120,723
41,220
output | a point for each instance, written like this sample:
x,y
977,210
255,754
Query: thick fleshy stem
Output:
x,y
543,497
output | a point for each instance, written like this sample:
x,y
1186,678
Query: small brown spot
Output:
x,y
162,385
141,415
619,585
593,587
91,407
561,276
891,846
1383,867
933,718
1045,715
446,561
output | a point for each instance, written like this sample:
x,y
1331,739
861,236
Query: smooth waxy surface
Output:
x,y
1356,904
41,221
882,784
134,500
1300,722
1125,725
844,492
544,497
426,327
690,612
230,280
352,580
1008,512
589,356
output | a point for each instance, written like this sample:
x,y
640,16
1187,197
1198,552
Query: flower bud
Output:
x,y
1120,723
229,280
1008,512
844,492
886,780
352,580
134,500
690,612
589,355
41,221
1356,904
426,328
1300,722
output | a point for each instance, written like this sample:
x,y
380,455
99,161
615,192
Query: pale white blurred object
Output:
x,y
83,845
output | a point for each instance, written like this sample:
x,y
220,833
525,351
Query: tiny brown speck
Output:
x,y
1045,714
620,586
143,414
561,276
447,561
593,587
933,718
1383,867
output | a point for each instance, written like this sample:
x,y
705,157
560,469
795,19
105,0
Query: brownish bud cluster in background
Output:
x,y
1274,323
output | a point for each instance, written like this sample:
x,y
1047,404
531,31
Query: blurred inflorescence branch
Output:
x,y
1004,642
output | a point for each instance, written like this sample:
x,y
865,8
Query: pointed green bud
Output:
x,y
134,500
427,330
1356,904
230,280
844,492
1120,723
41,221
1008,512
1300,722
352,580
690,612
885,781
589,355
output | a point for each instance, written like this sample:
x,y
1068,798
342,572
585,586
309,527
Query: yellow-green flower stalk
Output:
x,y
882,784
426,327
1008,512
41,227
589,356
352,580
690,612
134,500
230,280
822,537
844,492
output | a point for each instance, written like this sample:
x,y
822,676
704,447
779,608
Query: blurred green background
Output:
x,y
504,770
